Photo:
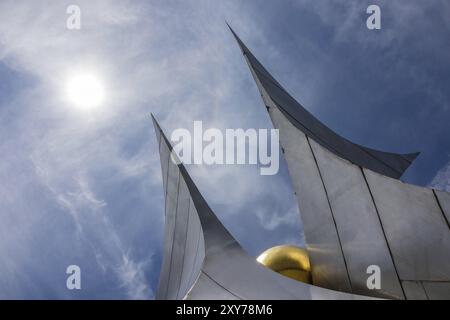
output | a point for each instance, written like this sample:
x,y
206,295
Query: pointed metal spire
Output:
x,y
216,236
389,164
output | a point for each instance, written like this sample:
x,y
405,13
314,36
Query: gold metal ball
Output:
x,y
290,261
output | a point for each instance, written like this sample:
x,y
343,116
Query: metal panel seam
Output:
x,y
185,245
384,233
174,228
196,252
331,210
212,279
440,207
424,290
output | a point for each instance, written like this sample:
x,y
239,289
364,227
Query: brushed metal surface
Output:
x,y
444,202
207,289
327,261
414,290
179,242
437,290
362,237
328,267
415,227
183,236
194,252
170,212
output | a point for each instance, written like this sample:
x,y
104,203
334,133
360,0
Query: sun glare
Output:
x,y
85,91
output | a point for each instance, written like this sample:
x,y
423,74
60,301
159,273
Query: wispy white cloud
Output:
x,y
132,278
271,221
94,227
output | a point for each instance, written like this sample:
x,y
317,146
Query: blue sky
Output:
x,y
84,187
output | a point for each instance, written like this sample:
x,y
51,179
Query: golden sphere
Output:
x,y
290,261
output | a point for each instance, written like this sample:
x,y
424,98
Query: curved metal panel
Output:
x,y
207,289
183,243
362,237
389,164
327,260
328,266
415,227
194,253
222,270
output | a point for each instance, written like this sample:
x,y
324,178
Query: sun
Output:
x,y
85,91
